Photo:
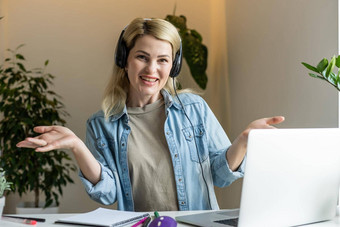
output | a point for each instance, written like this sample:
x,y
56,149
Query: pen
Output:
x,y
156,214
28,218
146,222
140,222
20,220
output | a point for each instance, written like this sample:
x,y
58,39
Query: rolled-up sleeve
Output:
x,y
222,174
105,190
218,145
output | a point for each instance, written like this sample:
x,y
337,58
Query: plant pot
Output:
x,y
2,204
28,208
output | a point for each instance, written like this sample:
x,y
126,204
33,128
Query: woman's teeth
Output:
x,y
149,79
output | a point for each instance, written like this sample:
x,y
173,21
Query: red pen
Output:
x,y
19,220
140,222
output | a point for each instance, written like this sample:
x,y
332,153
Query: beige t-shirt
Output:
x,y
150,164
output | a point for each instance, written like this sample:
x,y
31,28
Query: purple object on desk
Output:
x,y
163,221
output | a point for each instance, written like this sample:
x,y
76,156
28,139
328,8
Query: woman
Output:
x,y
147,148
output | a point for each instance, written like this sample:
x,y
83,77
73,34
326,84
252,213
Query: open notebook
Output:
x,y
104,217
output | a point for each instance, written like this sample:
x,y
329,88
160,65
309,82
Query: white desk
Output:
x,y
51,218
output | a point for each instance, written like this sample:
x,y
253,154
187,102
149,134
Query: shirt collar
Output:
x,y
168,101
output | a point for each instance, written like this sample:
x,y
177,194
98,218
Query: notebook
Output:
x,y
291,178
104,217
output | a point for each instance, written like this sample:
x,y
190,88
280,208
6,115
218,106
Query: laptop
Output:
x,y
291,178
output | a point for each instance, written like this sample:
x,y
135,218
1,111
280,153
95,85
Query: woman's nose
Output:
x,y
151,67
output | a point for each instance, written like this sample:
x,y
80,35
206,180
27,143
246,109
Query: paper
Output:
x,y
104,217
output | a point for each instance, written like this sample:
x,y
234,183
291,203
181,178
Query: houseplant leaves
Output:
x,y
194,52
324,71
26,100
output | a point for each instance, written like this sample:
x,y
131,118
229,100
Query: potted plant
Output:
x,y
26,101
194,52
4,186
324,71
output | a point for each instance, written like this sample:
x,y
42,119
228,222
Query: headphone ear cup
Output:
x,y
177,63
121,52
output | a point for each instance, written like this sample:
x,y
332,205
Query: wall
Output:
x,y
267,40
266,47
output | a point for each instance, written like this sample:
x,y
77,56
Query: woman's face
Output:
x,y
148,68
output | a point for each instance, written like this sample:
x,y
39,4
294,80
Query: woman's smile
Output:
x,y
148,79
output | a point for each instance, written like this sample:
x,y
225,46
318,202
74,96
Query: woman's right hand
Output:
x,y
51,138
59,137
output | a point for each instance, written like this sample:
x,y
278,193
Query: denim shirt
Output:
x,y
107,140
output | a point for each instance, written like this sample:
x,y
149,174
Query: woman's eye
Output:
x,y
163,60
142,57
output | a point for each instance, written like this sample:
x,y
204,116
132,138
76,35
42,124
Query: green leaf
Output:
x,y
19,56
322,65
195,34
21,45
316,76
21,66
332,79
330,67
337,62
310,67
46,62
178,22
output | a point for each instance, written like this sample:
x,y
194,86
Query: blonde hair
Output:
x,y
116,91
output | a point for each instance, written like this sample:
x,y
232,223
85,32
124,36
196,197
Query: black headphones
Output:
x,y
122,53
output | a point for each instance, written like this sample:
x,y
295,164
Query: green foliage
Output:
x,y
194,52
324,71
4,184
27,101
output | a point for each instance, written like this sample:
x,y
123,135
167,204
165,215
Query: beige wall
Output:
x,y
263,42
267,41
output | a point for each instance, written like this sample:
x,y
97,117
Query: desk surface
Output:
x,y
51,218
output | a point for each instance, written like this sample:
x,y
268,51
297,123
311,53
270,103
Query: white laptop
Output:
x,y
291,178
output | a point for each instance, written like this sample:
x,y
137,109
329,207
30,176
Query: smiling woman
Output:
x,y
150,148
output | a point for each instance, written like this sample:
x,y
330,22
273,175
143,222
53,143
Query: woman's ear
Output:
x,y
126,67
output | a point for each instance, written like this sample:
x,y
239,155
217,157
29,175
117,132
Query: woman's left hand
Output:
x,y
238,149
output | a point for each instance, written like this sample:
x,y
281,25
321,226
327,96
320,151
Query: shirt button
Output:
x,y
176,155
127,194
183,203
168,133
190,136
180,179
123,144
103,144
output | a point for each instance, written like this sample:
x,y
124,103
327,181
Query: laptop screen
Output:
x,y
291,177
